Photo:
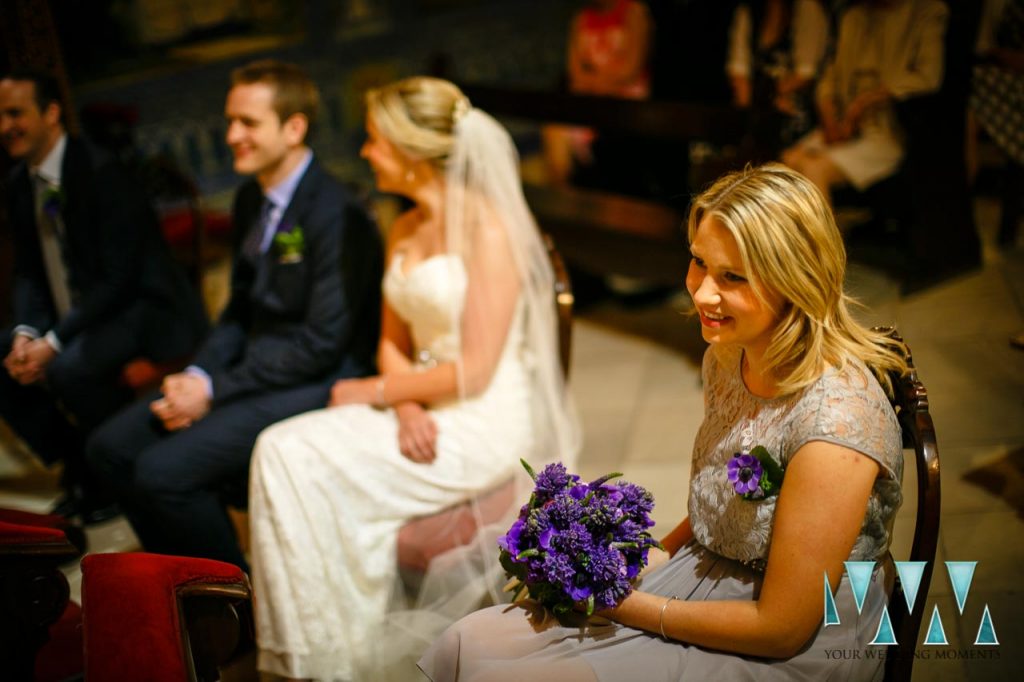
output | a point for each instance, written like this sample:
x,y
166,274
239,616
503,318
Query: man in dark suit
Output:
x,y
304,311
94,287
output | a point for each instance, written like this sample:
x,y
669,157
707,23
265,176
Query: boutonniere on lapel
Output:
x,y
53,202
755,475
289,243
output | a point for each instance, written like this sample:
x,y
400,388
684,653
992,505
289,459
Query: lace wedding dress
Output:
x,y
724,561
329,490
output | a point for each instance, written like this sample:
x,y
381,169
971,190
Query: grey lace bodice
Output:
x,y
847,407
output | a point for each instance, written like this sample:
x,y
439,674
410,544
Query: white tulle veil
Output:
x,y
482,183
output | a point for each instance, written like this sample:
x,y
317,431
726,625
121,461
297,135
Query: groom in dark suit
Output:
x,y
94,287
304,311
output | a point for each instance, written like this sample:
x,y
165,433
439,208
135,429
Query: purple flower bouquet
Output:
x,y
578,543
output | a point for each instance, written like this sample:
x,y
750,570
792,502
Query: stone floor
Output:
x,y
635,376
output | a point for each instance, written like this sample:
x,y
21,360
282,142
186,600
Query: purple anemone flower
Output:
x,y
510,541
745,472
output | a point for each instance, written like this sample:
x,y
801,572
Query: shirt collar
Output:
x,y
281,193
51,167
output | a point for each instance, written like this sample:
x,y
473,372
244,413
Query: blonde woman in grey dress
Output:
x,y
738,594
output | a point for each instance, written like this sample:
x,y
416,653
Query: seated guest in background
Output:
x,y
997,100
303,311
738,595
608,48
775,53
996,103
470,383
886,50
94,287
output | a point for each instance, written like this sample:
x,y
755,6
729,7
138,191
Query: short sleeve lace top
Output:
x,y
847,407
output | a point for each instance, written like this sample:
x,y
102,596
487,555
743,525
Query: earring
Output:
x,y
410,176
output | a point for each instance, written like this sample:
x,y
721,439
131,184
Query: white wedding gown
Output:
x,y
329,491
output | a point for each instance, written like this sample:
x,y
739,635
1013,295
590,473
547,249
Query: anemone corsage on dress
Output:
x,y
578,543
755,475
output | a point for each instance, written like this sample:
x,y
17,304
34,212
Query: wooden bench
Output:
x,y
604,232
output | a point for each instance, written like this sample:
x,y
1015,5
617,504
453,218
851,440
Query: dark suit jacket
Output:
x,y
292,323
114,253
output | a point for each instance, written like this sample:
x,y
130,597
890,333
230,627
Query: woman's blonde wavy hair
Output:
x,y
418,115
790,245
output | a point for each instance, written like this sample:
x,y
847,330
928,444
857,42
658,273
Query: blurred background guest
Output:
x,y
608,47
886,50
997,102
776,50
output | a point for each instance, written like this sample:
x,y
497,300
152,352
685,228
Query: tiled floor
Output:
x,y
636,379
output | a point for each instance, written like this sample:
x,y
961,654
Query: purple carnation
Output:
x,y
745,472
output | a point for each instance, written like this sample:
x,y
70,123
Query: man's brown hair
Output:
x,y
294,91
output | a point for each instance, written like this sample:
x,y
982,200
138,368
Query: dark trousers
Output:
x,y
80,391
170,484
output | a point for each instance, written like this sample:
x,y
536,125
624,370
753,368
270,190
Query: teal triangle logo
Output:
x,y
936,634
960,575
986,631
910,573
884,635
831,614
860,576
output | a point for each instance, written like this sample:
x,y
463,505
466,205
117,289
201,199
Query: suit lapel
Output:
x,y
293,212
301,198
291,216
74,186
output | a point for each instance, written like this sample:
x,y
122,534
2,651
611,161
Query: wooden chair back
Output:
x,y
911,403
564,301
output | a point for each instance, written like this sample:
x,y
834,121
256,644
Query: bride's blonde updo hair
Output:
x,y
418,115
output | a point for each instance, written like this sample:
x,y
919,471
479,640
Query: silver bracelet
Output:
x,y
661,620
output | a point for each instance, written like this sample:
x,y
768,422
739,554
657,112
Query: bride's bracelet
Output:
x,y
380,402
661,620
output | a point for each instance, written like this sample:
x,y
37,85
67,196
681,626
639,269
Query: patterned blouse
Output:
x,y
846,407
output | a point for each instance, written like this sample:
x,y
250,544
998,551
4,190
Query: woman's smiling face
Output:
x,y
730,311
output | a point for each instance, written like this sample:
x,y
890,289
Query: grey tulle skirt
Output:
x,y
517,642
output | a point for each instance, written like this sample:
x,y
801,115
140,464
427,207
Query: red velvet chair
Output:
x,y
34,598
162,618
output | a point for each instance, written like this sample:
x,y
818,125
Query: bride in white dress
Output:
x,y
469,384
